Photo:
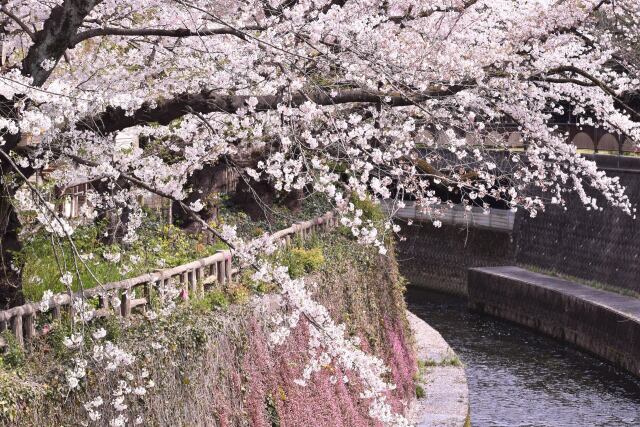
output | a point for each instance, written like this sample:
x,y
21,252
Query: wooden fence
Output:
x,y
191,277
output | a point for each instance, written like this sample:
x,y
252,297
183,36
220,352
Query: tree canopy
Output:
x,y
349,98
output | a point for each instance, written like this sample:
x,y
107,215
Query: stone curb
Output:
x,y
446,394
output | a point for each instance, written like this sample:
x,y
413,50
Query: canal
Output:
x,y
519,378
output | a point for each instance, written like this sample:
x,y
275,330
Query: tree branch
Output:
x,y
116,119
598,83
159,32
52,41
18,21
426,14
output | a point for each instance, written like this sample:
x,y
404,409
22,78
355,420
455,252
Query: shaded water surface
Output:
x,y
520,378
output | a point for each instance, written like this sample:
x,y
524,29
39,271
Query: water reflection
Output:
x,y
519,378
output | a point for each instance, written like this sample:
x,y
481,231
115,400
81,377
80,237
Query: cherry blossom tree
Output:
x,y
367,99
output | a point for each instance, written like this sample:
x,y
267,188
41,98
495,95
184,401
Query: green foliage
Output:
x,y
420,393
159,246
14,393
213,299
370,210
303,261
112,325
198,337
239,294
451,360
13,356
272,411
59,330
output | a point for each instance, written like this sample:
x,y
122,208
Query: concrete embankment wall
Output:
x,y
446,394
603,323
438,258
600,246
593,245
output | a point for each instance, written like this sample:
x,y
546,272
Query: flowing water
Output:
x,y
518,377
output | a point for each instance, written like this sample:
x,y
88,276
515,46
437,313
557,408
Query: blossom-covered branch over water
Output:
x,y
355,100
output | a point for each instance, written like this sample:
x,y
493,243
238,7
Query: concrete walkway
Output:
x,y
446,401
622,304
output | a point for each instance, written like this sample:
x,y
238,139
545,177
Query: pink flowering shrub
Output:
x,y
328,400
366,296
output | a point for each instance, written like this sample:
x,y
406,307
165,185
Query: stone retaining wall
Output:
x,y
438,258
603,323
595,246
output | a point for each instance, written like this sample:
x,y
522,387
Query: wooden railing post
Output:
x,y
29,326
16,327
191,276
212,269
57,314
147,292
227,268
103,301
125,303
200,281
3,322
185,285
220,269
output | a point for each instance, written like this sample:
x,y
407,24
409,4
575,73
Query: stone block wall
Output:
x,y
602,323
592,245
438,258
595,246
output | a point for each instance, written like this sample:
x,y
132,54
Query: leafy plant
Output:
x,y
13,356
302,261
211,300
159,246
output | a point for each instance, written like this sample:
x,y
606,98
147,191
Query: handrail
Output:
x,y
493,219
191,276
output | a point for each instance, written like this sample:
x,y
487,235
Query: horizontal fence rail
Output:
x,y
494,219
192,278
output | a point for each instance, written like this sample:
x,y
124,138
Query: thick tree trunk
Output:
x,y
205,185
10,279
50,43
115,223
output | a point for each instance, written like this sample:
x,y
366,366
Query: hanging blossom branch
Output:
x,y
328,340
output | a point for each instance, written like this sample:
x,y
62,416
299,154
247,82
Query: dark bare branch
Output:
x,y
159,32
18,21
116,119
